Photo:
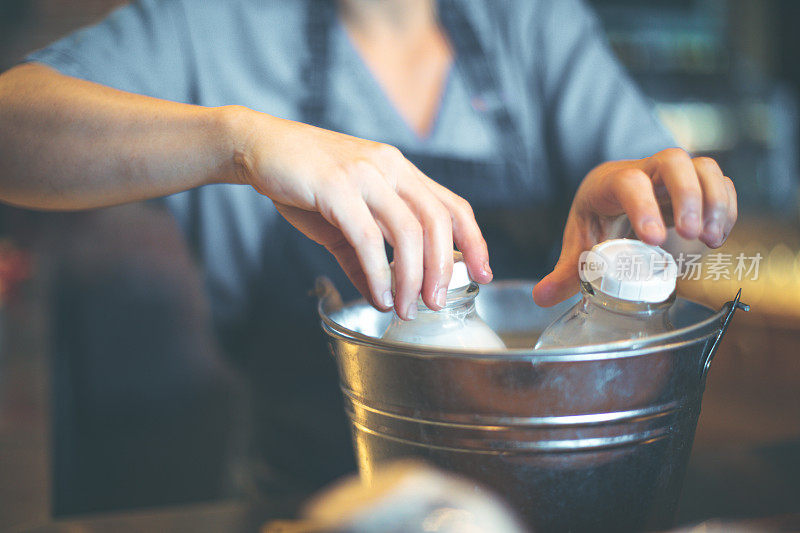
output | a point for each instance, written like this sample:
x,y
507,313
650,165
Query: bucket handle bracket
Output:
x,y
732,307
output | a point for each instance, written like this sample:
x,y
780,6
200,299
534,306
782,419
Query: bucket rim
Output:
x,y
686,336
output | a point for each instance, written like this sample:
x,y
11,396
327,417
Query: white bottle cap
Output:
x,y
630,270
460,277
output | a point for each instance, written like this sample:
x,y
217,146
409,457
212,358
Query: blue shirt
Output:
x,y
575,105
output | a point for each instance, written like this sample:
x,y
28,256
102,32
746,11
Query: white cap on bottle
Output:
x,y
630,270
460,277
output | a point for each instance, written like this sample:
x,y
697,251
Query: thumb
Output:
x,y
562,282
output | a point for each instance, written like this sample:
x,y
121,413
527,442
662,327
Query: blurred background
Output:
x,y
725,79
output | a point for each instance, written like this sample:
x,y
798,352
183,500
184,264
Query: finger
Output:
x,y
733,207
404,232
715,201
562,282
675,169
349,261
633,190
323,232
351,215
437,239
466,233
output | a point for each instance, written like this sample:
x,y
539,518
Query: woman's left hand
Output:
x,y
703,205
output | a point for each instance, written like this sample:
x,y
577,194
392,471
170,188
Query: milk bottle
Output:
x,y
627,286
457,325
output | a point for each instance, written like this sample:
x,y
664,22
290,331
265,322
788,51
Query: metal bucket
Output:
x,y
589,439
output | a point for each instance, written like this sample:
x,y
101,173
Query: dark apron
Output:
x,y
301,431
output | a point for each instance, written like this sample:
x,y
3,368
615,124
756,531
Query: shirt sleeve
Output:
x,y
594,111
141,48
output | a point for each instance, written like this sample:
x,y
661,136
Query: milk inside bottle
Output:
x,y
457,325
627,287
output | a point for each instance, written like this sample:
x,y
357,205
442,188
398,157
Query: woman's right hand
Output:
x,y
349,194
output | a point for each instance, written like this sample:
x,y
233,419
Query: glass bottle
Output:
x,y
456,325
628,288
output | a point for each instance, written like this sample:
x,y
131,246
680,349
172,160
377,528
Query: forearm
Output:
x,y
70,144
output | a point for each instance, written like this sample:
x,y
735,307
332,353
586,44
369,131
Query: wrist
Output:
x,y
232,128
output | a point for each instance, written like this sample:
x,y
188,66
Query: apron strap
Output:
x,y
481,77
315,73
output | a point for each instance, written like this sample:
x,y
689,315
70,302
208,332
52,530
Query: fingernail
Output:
x,y
714,230
441,297
652,227
387,299
411,313
690,220
487,270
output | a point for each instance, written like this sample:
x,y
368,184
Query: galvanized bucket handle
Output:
x,y
732,307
